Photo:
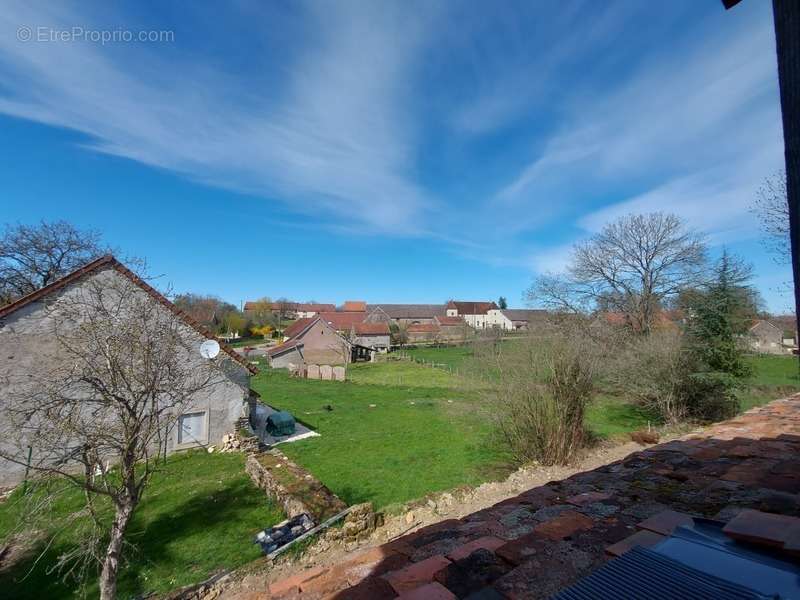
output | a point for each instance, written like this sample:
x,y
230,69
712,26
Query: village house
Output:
x,y
305,310
766,338
405,314
375,336
28,342
310,341
476,314
421,333
452,329
356,306
514,319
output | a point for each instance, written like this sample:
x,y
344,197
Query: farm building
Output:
x,y
406,314
476,314
311,341
375,336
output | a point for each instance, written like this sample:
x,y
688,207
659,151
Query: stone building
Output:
x,y
476,314
30,350
312,341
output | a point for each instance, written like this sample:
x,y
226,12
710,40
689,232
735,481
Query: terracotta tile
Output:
x,y
479,569
429,591
564,525
372,588
665,522
640,538
284,585
587,498
520,550
416,574
762,528
489,542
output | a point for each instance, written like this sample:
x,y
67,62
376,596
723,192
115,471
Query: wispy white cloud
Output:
x,y
333,138
551,260
697,127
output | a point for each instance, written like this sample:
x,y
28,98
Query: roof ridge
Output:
x,y
111,260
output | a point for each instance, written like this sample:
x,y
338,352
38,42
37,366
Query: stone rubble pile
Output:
x,y
230,443
284,532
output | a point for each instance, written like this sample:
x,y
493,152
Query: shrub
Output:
x,y
665,376
543,387
651,371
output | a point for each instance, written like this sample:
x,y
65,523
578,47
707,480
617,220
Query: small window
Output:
x,y
192,428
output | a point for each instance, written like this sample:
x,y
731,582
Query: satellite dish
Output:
x,y
209,349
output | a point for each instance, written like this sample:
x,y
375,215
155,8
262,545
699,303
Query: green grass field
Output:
x,y
453,356
773,377
396,431
199,515
426,432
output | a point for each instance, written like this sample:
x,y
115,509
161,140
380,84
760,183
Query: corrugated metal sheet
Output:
x,y
641,573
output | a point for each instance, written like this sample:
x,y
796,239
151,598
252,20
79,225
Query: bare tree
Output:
x,y
209,311
772,209
282,308
32,256
537,390
116,371
632,266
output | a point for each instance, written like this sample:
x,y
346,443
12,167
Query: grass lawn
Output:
x,y
427,431
453,356
199,515
773,377
423,433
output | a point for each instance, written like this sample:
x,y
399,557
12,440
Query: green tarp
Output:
x,y
280,424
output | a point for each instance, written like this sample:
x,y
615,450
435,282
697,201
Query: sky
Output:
x,y
386,151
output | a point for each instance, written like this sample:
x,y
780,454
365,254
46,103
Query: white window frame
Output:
x,y
194,442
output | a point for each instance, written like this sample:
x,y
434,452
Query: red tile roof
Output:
x,y
354,306
285,346
111,262
371,329
450,321
317,308
471,308
298,327
343,321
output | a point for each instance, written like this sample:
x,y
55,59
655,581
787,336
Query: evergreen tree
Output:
x,y
719,315
502,302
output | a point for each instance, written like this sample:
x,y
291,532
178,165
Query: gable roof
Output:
x,y
315,307
342,321
108,261
284,347
298,327
471,308
523,314
371,329
761,322
410,311
354,306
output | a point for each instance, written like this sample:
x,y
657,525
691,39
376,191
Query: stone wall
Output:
x,y
291,486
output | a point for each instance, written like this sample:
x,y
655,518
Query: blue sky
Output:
x,y
413,151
